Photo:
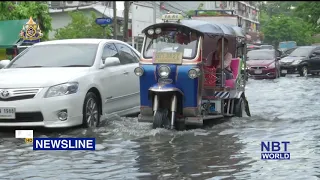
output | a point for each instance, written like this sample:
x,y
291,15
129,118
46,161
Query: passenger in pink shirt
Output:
x,y
227,58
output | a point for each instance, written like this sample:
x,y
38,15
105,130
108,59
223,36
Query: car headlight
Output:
x,y
296,62
164,71
138,71
272,65
62,89
194,73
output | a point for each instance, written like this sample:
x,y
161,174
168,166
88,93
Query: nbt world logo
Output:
x,y
275,150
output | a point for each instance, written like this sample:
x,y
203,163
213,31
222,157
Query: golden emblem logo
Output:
x,y
28,140
31,31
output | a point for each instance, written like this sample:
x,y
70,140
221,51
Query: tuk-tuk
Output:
x,y
179,81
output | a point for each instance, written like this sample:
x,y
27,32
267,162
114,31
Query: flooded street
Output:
x,y
286,109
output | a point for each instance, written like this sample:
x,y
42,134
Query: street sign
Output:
x,y
104,21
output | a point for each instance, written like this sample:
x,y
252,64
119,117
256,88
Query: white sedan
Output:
x,y
66,83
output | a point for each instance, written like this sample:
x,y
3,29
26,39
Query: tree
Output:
x,y
82,26
285,28
310,12
274,8
39,11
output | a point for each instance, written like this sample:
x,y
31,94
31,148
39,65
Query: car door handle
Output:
x,y
125,72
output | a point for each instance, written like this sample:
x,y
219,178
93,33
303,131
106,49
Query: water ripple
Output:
x,y
285,109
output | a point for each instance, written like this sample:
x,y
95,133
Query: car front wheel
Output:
x,y
91,115
304,71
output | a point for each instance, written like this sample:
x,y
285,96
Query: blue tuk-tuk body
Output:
x,y
179,82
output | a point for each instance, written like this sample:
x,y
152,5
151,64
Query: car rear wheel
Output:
x,y
91,115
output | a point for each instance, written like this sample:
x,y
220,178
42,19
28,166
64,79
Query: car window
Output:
x,y
136,55
109,50
125,54
261,55
301,52
20,49
289,51
56,55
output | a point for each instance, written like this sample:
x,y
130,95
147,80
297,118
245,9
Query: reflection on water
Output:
x,y
285,109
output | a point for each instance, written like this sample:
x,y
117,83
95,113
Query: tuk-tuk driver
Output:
x,y
187,43
227,58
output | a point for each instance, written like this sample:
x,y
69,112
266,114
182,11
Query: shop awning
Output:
x,y
9,32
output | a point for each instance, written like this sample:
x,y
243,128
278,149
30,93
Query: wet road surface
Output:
x,y
286,109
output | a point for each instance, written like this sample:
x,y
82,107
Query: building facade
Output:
x,y
60,18
248,11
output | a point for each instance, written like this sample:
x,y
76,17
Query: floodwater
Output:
x,y
286,109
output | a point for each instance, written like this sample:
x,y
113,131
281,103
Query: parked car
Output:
x,y
263,64
299,60
251,47
311,64
287,52
266,47
66,83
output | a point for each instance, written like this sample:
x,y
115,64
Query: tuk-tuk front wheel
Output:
x,y
160,119
180,126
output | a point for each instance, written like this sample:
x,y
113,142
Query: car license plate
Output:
x,y
284,71
258,71
7,113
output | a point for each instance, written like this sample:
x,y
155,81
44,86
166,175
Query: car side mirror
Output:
x,y
278,58
313,55
316,53
4,63
110,61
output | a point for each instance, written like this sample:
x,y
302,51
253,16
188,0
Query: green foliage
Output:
x,y
82,26
289,21
23,10
310,12
274,8
200,7
203,13
285,28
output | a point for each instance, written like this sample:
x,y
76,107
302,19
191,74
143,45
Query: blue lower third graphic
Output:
x,y
64,144
275,156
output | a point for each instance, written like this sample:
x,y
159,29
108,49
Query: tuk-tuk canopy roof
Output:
x,y
204,27
239,31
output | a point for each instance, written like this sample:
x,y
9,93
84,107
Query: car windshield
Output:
x,y
301,52
56,55
172,41
260,55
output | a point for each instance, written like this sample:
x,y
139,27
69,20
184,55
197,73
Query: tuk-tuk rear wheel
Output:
x,y
240,108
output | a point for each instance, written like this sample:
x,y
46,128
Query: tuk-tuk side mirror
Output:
x,y
4,63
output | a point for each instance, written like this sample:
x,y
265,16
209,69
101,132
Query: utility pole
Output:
x,y
115,23
126,21
154,12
